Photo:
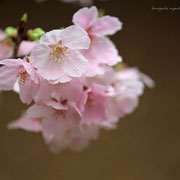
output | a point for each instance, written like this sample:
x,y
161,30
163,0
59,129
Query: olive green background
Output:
x,y
146,144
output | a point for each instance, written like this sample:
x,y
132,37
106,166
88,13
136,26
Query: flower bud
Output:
x,y
36,34
11,31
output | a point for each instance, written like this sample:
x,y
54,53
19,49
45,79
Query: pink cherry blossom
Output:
x,y
56,56
123,88
61,126
21,71
88,19
71,79
125,93
7,47
102,49
72,90
104,99
95,105
127,85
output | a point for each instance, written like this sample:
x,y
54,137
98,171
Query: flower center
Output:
x,y
59,54
91,101
23,76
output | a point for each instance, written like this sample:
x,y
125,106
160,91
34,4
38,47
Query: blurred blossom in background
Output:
x,y
80,2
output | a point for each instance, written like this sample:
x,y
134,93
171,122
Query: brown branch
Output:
x,y
20,35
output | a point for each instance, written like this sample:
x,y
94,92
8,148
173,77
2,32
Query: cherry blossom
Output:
x,y
57,57
124,88
102,49
21,71
61,126
75,79
95,105
61,91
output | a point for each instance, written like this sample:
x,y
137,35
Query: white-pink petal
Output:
x,y
51,37
96,105
28,90
62,79
74,37
56,105
28,124
11,62
40,58
76,64
102,51
85,17
8,77
106,25
26,47
8,73
39,111
2,35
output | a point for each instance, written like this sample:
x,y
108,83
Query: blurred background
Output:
x,y
146,144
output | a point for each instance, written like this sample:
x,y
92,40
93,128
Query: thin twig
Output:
x,y
20,35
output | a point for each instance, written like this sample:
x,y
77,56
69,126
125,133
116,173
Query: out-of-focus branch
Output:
x,y
20,35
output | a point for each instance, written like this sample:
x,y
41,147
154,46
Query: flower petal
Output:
x,y
106,25
28,90
47,68
96,105
56,105
85,17
8,73
26,47
103,51
51,37
2,35
76,64
74,37
11,62
7,77
16,87
39,111
31,71
62,79
28,124
6,49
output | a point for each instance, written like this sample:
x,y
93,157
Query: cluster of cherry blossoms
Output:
x,y
75,77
